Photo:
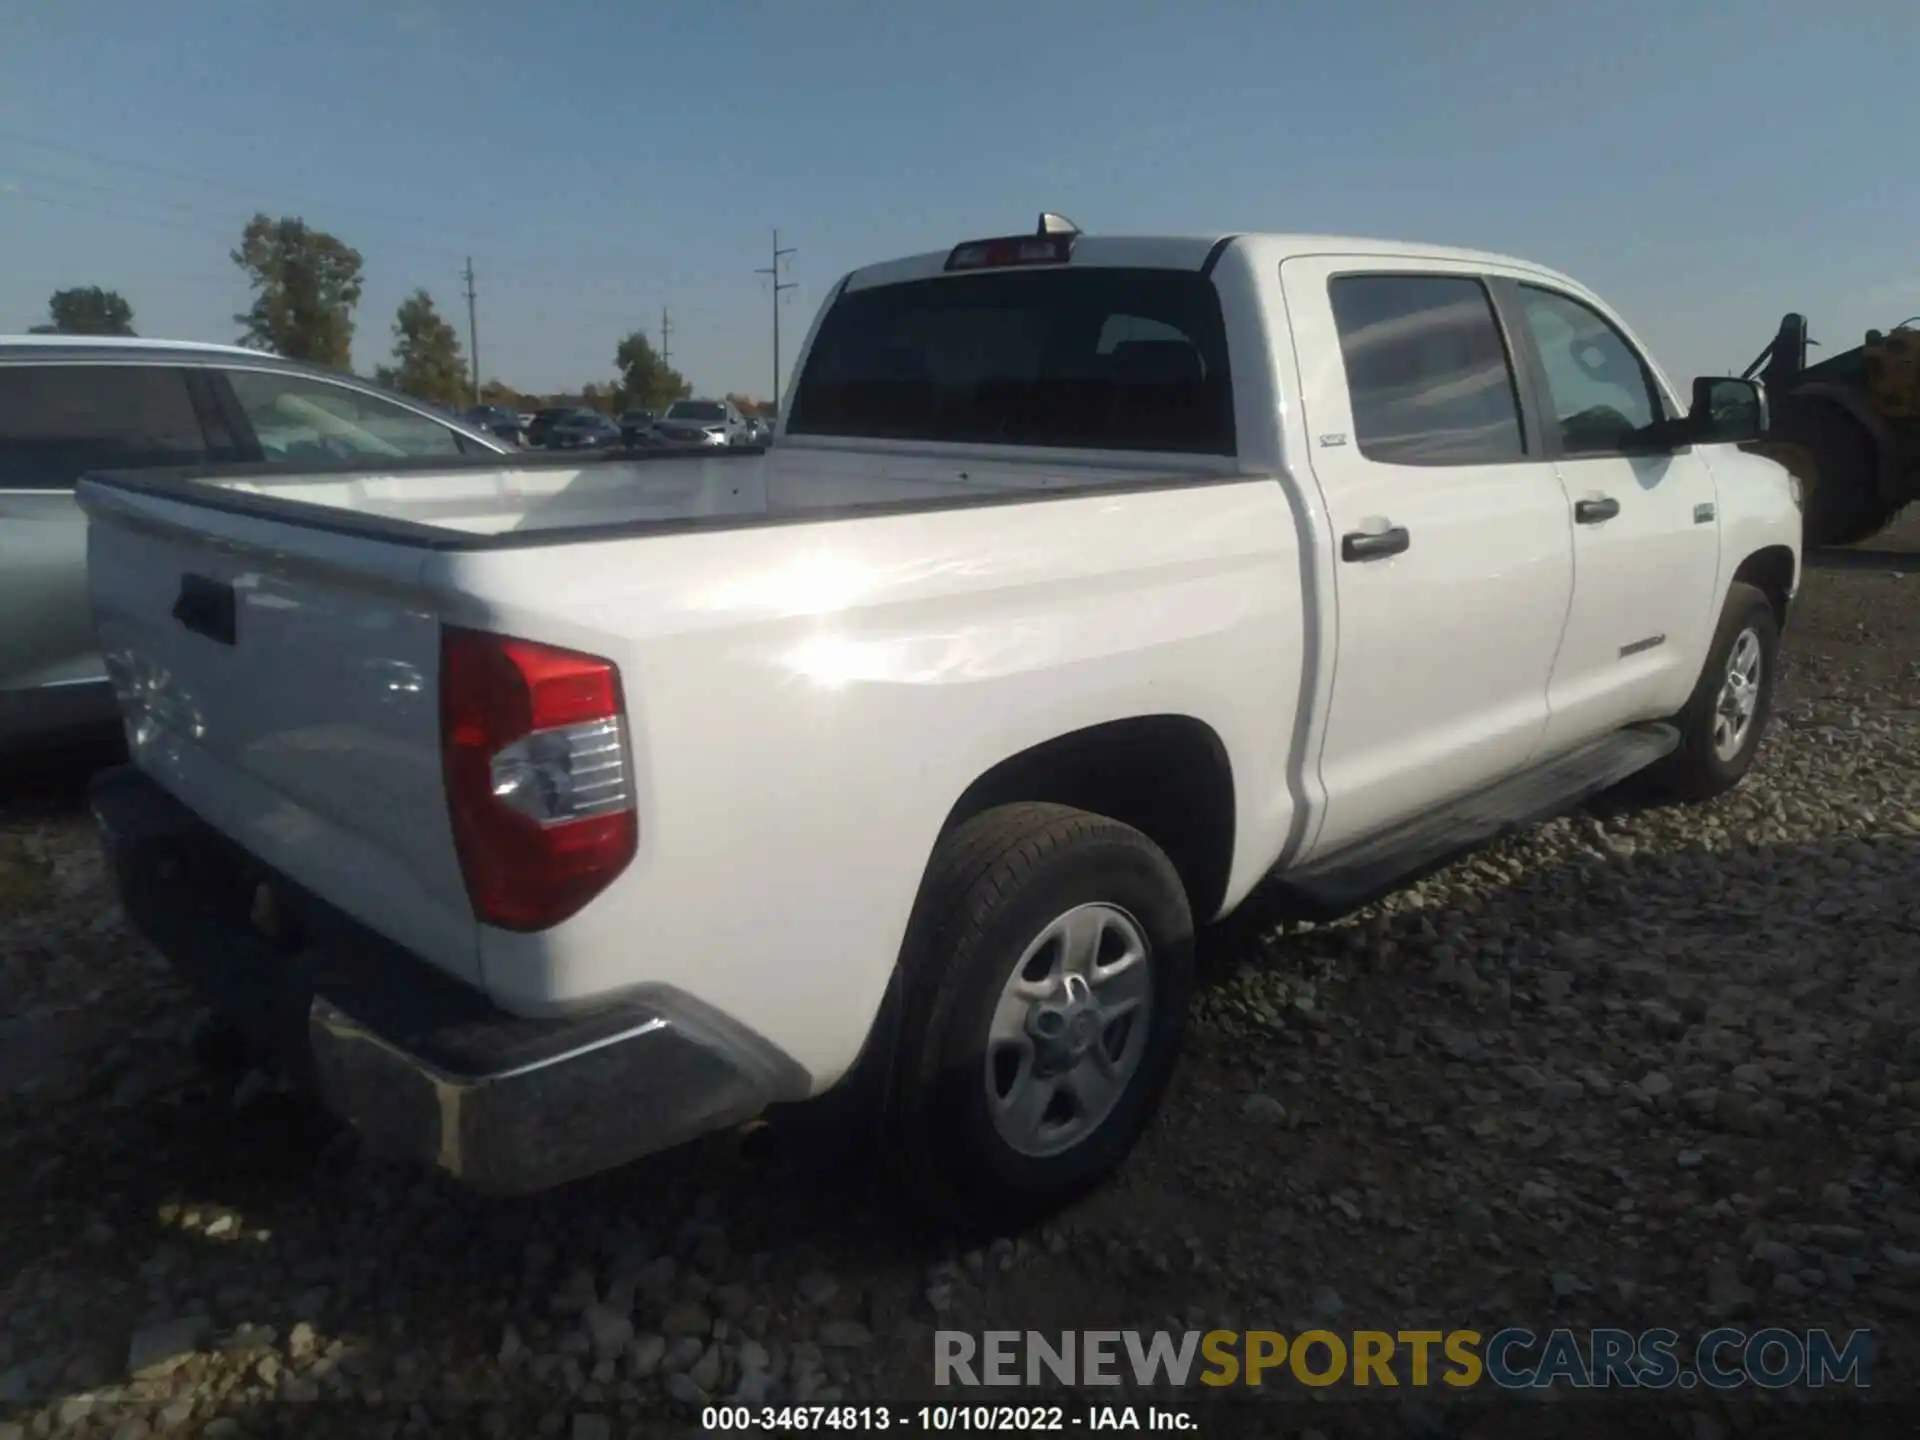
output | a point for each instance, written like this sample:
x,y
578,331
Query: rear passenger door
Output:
x,y
58,421
1453,563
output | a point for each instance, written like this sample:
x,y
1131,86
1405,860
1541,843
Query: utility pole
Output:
x,y
473,331
773,271
666,338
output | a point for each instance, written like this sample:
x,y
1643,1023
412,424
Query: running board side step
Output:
x,y
1343,882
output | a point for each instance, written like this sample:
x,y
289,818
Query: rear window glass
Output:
x,y
1106,359
57,422
1427,369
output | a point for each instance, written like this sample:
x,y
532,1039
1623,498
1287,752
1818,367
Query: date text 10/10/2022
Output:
x,y
942,1419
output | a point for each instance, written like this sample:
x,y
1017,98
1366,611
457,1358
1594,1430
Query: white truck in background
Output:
x,y
542,815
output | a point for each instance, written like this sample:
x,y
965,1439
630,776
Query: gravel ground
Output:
x,y
1634,1067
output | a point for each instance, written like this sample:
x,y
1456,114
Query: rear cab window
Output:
x,y
1097,358
58,422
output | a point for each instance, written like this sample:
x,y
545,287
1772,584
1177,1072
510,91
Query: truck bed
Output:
x,y
485,503
276,647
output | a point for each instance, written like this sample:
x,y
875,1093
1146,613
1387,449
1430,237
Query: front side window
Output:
x,y
1427,370
57,422
1602,392
299,420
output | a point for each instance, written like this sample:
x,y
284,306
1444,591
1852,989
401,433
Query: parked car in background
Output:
x,y
583,430
636,426
71,404
542,421
704,422
526,419
496,420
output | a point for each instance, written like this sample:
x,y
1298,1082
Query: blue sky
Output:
x,y
602,160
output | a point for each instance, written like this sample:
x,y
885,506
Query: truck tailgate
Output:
x,y
281,681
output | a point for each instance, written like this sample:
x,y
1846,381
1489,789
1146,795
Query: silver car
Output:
x,y
703,422
71,404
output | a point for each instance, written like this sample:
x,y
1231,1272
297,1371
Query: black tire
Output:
x,y
994,885
221,1048
1697,771
1868,520
1841,505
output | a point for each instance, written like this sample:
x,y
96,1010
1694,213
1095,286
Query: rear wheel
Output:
x,y
221,1048
1049,967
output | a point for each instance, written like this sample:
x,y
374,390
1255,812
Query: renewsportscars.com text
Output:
x,y
1510,1359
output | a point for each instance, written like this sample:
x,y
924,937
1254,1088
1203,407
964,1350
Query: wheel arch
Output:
x,y
1772,571
1168,776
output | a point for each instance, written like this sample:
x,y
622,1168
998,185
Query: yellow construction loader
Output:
x,y
1849,427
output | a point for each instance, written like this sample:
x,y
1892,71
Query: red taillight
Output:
x,y
537,776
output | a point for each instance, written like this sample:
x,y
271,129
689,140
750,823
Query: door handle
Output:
x,y
1377,545
1592,512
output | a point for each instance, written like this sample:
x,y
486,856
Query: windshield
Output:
x,y
1108,359
696,410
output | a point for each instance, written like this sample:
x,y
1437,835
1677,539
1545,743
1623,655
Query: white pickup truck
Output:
x,y
543,814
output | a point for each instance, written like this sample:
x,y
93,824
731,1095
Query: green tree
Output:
x,y
426,349
305,283
646,381
87,310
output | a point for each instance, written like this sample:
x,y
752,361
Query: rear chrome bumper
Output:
x,y
421,1064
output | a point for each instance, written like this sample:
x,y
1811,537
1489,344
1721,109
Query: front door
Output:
x,y
1646,537
1453,557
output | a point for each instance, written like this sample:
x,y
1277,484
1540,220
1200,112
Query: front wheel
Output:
x,y
1721,726
1049,966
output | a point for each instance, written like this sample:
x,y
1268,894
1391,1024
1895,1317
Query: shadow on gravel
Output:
x,y
1894,561
268,1215
52,779
1265,913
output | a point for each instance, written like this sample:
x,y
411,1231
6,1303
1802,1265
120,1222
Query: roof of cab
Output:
x,y
1191,252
